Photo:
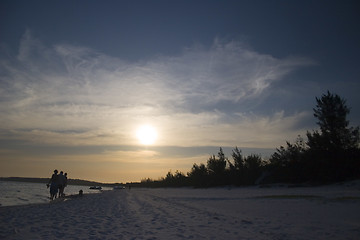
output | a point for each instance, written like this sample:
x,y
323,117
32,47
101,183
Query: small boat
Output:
x,y
118,187
95,187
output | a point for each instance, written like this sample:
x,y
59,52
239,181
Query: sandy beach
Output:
x,y
277,212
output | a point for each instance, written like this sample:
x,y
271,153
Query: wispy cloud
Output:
x,y
74,95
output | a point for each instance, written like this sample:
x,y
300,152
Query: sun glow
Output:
x,y
146,135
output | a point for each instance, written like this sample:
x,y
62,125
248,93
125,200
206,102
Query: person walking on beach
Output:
x,y
61,181
65,183
53,183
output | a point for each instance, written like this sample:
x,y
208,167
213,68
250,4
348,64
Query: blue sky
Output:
x,y
77,78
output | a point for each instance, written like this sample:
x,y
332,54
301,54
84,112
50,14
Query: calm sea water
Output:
x,y
20,193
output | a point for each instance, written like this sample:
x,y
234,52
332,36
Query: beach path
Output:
x,y
184,214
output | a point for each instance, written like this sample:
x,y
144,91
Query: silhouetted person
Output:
x,y
65,182
53,183
61,183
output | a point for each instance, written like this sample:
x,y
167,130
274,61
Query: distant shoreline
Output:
x,y
46,180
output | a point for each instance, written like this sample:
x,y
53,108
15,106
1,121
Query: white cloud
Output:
x,y
62,88
244,130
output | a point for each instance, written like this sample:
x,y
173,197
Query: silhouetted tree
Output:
x,y
236,169
335,148
198,170
217,165
291,153
335,135
175,180
252,165
238,159
216,168
288,162
253,161
330,154
198,175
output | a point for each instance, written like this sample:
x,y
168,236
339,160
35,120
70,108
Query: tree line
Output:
x,y
329,154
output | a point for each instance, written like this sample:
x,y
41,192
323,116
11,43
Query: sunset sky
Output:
x,y
78,79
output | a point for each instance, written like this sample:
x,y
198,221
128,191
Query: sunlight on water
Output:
x,y
20,193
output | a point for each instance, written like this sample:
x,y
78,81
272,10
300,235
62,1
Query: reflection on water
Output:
x,y
19,193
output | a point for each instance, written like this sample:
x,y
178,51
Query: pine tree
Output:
x,y
335,133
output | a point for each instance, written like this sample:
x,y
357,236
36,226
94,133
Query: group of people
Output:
x,y
57,184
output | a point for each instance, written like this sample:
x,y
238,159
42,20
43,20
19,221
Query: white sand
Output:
x,y
328,212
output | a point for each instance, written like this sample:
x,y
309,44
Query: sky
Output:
x,y
79,78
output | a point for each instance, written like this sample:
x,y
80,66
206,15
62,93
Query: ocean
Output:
x,y
22,193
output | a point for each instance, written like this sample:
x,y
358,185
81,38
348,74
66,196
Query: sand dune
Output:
x,y
330,212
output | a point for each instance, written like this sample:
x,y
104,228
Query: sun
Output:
x,y
146,134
